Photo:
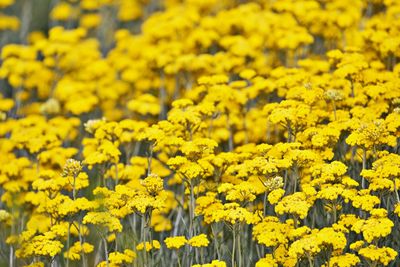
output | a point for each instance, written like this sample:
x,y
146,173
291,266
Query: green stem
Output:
x,y
395,190
334,212
68,242
179,259
84,264
149,159
116,174
143,237
265,203
239,249
289,129
334,109
191,210
233,248
295,221
364,166
74,188
106,251
11,262
310,261
216,246
191,229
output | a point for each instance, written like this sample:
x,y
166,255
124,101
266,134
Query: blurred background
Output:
x,y
23,20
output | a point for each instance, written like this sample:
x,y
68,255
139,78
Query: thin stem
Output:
x,y
149,159
74,188
26,16
352,88
295,221
216,242
106,251
11,256
191,207
233,248
310,261
334,212
68,242
179,259
143,237
239,252
295,177
230,140
265,203
246,135
191,210
395,190
84,264
334,109
290,132
163,95
364,166
11,262
116,174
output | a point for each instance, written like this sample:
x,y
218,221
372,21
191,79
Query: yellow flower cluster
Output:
x,y
175,242
382,255
214,263
148,245
199,241
200,133
74,252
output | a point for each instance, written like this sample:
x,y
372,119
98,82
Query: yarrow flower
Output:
x,y
153,245
128,121
175,242
199,241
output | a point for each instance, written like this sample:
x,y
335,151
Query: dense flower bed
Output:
x,y
200,133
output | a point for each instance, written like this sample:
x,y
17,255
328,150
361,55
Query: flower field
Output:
x,y
206,133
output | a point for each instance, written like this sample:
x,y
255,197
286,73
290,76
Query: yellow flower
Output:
x,y
214,263
275,195
6,3
155,245
10,23
267,261
153,184
62,11
144,105
39,245
232,213
345,260
373,228
317,241
4,216
357,245
383,255
271,232
90,21
72,168
296,204
175,242
199,241
245,191
330,192
118,258
371,134
75,251
397,209
365,202
103,219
